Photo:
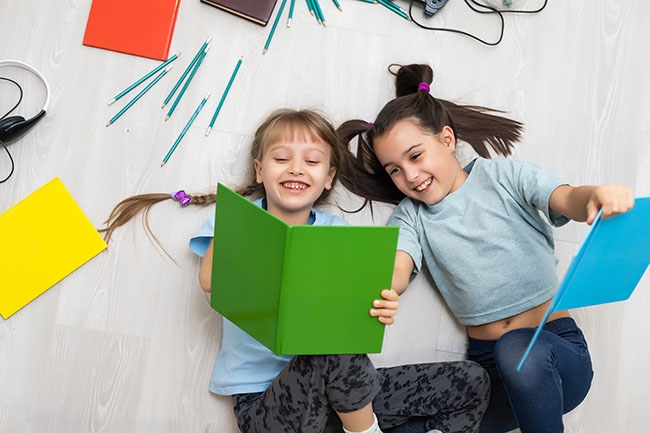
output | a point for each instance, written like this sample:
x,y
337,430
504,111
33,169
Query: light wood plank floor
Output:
x,y
127,342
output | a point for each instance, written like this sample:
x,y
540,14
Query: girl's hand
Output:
x,y
612,199
385,309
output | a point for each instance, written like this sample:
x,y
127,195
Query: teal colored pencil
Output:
x,y
187,126
392,2
310,6
369,1
391,6
275,24
293,4
139,95
187,82
319,12
338,5
141,80
187,71
223,98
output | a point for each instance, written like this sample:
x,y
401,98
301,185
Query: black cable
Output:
x,y
472,4
11,160
20,98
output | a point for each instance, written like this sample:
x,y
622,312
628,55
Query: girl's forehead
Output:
x,y
293,131
297,135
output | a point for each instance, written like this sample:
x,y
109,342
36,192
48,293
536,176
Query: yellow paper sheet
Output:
x,y
43,238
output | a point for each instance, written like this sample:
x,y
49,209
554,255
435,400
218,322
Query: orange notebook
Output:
x,y
139,27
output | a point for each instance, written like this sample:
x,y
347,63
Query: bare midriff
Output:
x,y
528,319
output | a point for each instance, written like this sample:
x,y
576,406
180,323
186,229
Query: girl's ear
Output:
x,y
448,137
258,171
330,178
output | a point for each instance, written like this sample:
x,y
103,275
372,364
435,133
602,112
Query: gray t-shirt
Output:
x,y
486,245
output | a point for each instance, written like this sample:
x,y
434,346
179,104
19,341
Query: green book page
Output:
x,y
247,265
332,275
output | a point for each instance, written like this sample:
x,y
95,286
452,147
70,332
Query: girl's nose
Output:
x,y
410,173
296,168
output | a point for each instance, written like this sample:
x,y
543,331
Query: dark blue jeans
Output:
x,y
554,379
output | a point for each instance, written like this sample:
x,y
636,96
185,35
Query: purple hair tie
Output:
x,y
424,86
369,125
182,197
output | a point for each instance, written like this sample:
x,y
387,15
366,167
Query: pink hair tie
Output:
x,y
182,197
369,125
424,86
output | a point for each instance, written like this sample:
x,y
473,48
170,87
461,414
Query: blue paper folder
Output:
x,y
607,266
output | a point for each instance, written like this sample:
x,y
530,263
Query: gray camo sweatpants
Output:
x,y
306,395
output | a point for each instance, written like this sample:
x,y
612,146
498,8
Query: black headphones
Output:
x,y
13,127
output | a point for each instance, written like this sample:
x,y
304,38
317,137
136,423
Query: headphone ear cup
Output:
x,y
13,127
9,122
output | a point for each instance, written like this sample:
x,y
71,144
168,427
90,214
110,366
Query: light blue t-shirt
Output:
x,y
486,246
243,364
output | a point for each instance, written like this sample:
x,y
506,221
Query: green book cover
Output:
x,y
299,290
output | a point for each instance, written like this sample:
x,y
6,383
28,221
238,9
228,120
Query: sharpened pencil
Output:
x,y
141,80
319,12
275,24
139,95
182,134
223,97
187,82
187,71
338,5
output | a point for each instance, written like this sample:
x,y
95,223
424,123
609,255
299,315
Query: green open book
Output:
x,y
299,289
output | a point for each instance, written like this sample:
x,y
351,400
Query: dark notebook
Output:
x,y
257,11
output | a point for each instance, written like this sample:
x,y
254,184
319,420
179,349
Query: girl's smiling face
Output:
x,y
295,171
422,165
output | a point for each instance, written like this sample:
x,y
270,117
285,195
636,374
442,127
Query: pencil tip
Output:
x,y
108,124
162,164
264,51
166,118
340,8
111,101
162,106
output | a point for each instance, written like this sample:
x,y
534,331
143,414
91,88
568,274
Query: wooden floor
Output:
x,y
127,342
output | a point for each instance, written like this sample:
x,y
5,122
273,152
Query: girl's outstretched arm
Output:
x,y
205,272
582,203
402,272
386,308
